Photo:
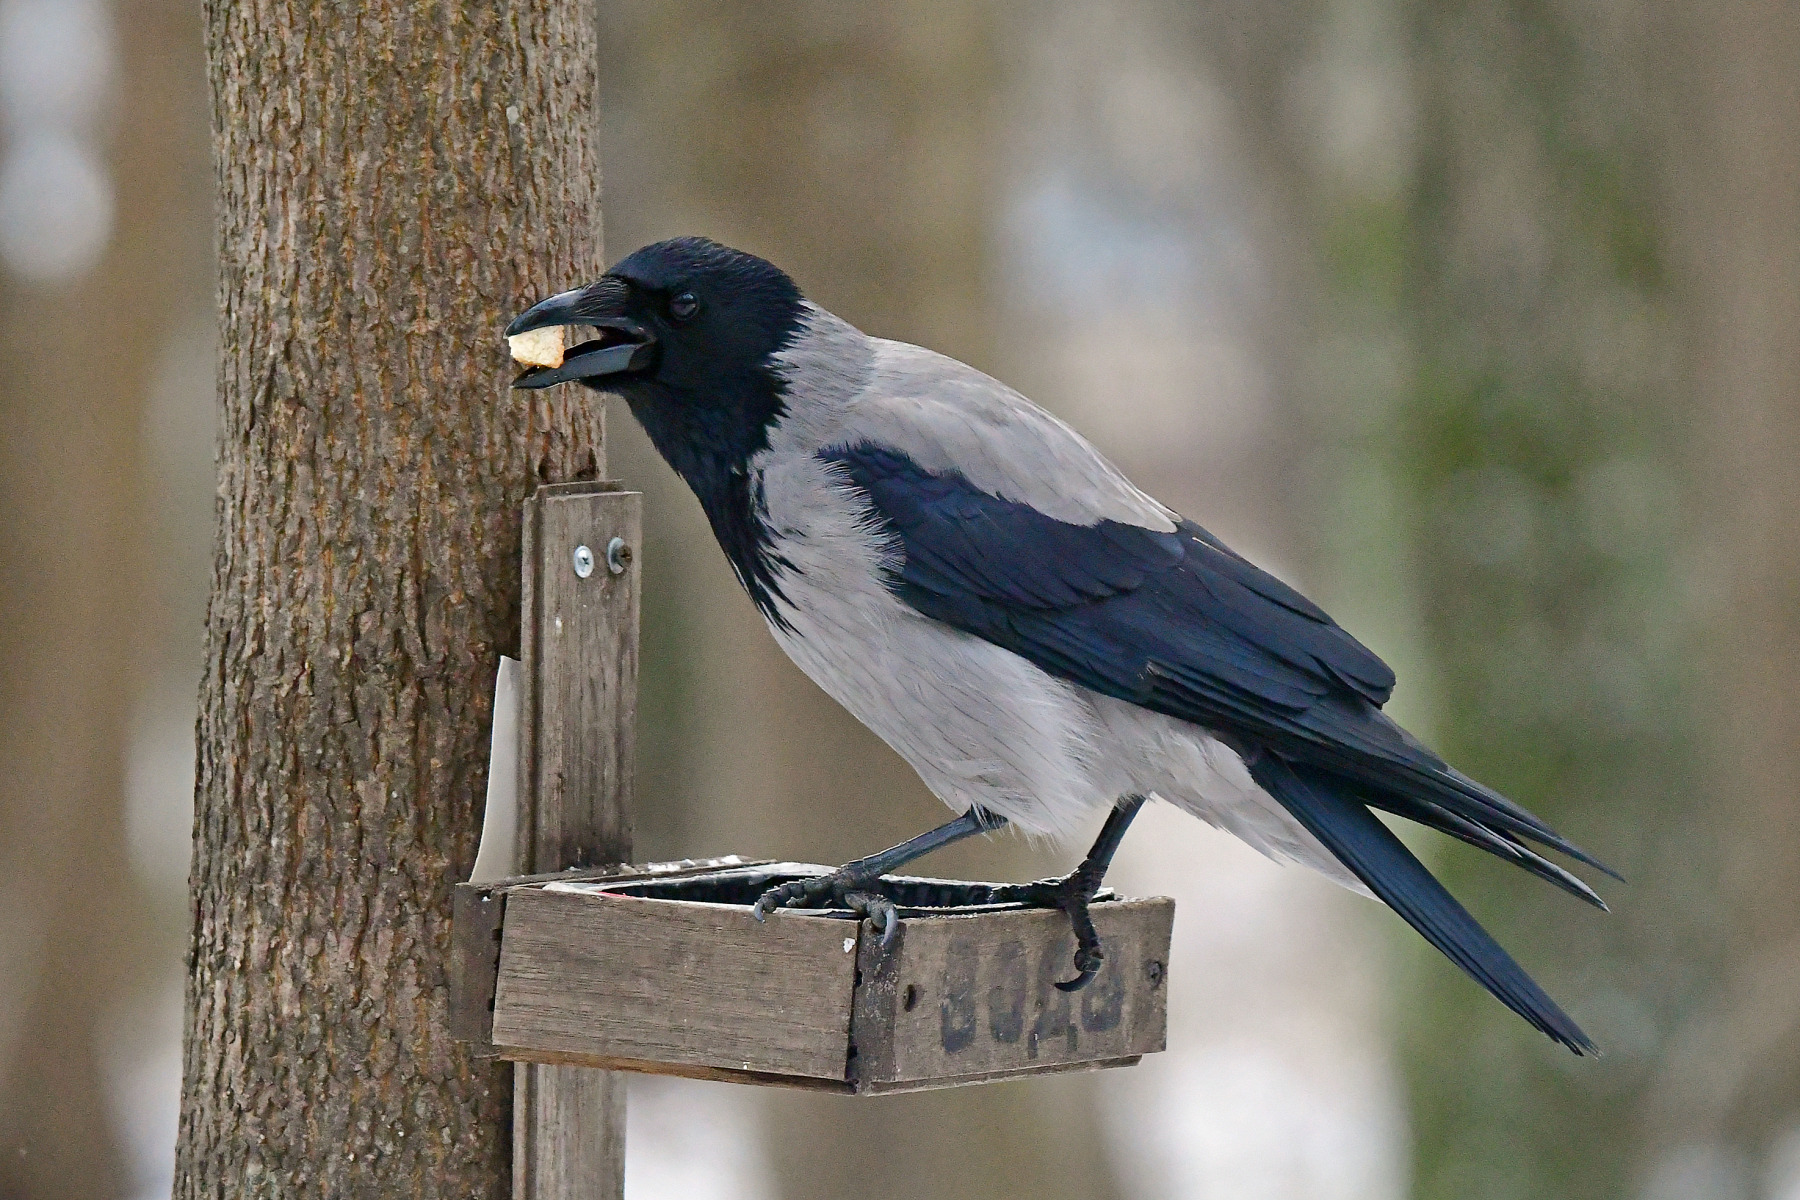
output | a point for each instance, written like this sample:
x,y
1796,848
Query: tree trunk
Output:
x,y
393,183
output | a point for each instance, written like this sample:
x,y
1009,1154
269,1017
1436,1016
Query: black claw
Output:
x,y
1080,981
882,916
879,909
1088,957
779,897
1072,894
853,890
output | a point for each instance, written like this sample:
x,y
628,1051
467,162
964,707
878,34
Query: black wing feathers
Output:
x,y
1493,841
1175,622
1046,564
984,558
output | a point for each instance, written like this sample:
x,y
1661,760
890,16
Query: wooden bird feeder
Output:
x,y
661,969
573,964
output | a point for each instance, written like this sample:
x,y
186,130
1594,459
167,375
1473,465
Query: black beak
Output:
x,y
623,347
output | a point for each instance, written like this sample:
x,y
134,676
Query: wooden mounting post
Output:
x,y
579,648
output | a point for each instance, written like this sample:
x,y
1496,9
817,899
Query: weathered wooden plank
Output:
x,y
805,1083
568,1133
476,917
580,663
479,908
579,652
973,996
869,1087
616,977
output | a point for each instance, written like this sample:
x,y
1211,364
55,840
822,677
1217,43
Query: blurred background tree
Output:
x,y
1480,322
1570,276
104,196
1538,449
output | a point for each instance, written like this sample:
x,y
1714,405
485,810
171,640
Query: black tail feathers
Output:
x,y
1361,842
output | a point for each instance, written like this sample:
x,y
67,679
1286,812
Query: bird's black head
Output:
x,y
687,331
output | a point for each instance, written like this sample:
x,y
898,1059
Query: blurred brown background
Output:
x,y
1480,322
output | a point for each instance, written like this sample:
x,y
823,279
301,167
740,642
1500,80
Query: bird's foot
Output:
x,y
1072,893
850,886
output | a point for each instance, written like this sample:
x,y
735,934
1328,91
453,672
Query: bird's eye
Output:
x,y
684,306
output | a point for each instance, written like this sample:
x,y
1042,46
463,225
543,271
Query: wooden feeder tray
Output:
x,y
661,969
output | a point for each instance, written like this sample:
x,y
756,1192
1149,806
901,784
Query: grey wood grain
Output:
x,y
972,996
616,977
889,1087
568,1133
479,913
480,909
579,651
645,1066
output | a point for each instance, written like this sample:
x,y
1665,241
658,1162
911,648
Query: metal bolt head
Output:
x,y
618,556
584,562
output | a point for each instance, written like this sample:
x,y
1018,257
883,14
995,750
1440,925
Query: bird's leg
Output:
x,y
1073,892
855,884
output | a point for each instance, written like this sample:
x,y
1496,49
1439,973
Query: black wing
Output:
x,y
1178,623
977,560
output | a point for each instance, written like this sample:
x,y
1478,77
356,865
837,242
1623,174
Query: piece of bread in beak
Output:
x,y
538,347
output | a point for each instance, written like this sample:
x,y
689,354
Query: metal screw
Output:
x,y
618,556
584,561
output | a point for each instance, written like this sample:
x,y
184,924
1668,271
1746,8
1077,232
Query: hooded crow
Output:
x,y
1037,637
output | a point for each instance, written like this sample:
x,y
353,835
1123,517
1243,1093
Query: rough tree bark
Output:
x,y
393,181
